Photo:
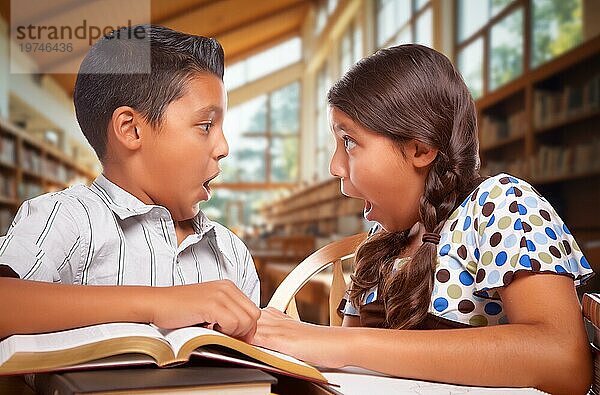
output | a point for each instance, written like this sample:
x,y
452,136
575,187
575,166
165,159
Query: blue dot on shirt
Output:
x,y
513,180
476,253
440,304
584,263
445,249
491,221
465,278
567,231
573,265
525,261
370,298
530,245
492,308
558,230
540,238
501,258
530,201
522,209
482,198
470,239
518,225
467,223
510,241
550,233
559,269
464,203
493,277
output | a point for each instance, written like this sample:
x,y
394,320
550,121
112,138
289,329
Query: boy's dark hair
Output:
x,y
145,67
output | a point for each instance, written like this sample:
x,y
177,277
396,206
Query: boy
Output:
x,y
136,234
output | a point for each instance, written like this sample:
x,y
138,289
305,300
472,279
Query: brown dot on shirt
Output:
x,y
567,247
480,275
488,209
495,239
523,243
507,278
535,265
443,275
554,251
462,252
545,215
465,306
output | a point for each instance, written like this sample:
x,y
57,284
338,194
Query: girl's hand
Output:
x,y
311,343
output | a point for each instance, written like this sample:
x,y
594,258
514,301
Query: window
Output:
x,y
499,26
506,49
470,63
350,49
324,141
324,9
474,14
404,21
263,133
556,27
263,63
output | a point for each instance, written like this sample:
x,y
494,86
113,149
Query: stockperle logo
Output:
x,y
53,37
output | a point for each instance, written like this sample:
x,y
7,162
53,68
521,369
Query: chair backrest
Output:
x,y
331,254
591,311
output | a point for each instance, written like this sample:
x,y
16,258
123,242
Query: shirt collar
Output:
x,y
126,205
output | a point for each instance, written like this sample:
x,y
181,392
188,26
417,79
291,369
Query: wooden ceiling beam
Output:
x,y
216,18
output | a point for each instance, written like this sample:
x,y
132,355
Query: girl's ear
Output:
x,y
126,128
421,154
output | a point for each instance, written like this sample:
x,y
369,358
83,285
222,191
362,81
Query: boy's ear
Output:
x,y
126,127
421,154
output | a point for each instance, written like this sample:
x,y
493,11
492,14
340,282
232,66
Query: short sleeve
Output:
x,y
518,230
41,241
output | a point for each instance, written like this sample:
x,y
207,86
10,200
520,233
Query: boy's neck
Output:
x,y
124,182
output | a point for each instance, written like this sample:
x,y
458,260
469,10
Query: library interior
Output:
x,y
532,66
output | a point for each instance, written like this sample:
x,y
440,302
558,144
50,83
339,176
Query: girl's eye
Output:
x,y
348,143
206,126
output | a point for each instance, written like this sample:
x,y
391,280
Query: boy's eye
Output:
x,y
348,143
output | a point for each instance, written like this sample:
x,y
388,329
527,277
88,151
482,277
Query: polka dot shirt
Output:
x,y
501,228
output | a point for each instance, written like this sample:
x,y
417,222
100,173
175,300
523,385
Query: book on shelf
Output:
x,y
188,380
123,344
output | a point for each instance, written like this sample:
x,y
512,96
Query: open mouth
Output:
x,y
206,183
367,209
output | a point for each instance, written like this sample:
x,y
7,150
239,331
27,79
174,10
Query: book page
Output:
x,y
359,384
72,338
178,337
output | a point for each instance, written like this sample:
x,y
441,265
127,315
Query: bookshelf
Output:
x,y
314,209
544,127
30,167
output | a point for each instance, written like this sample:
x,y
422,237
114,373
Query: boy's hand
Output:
x,y
220,303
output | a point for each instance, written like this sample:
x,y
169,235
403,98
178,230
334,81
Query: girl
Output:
x,y
487,260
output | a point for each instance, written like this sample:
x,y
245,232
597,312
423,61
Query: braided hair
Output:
x,y
411,92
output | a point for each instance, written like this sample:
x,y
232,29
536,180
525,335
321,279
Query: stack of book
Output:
x,y
553,106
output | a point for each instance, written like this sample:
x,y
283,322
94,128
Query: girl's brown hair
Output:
x,y
411,92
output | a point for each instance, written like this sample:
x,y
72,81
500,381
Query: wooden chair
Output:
x,y
332,254
591,311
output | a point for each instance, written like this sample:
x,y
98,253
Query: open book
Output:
x,y
125,344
